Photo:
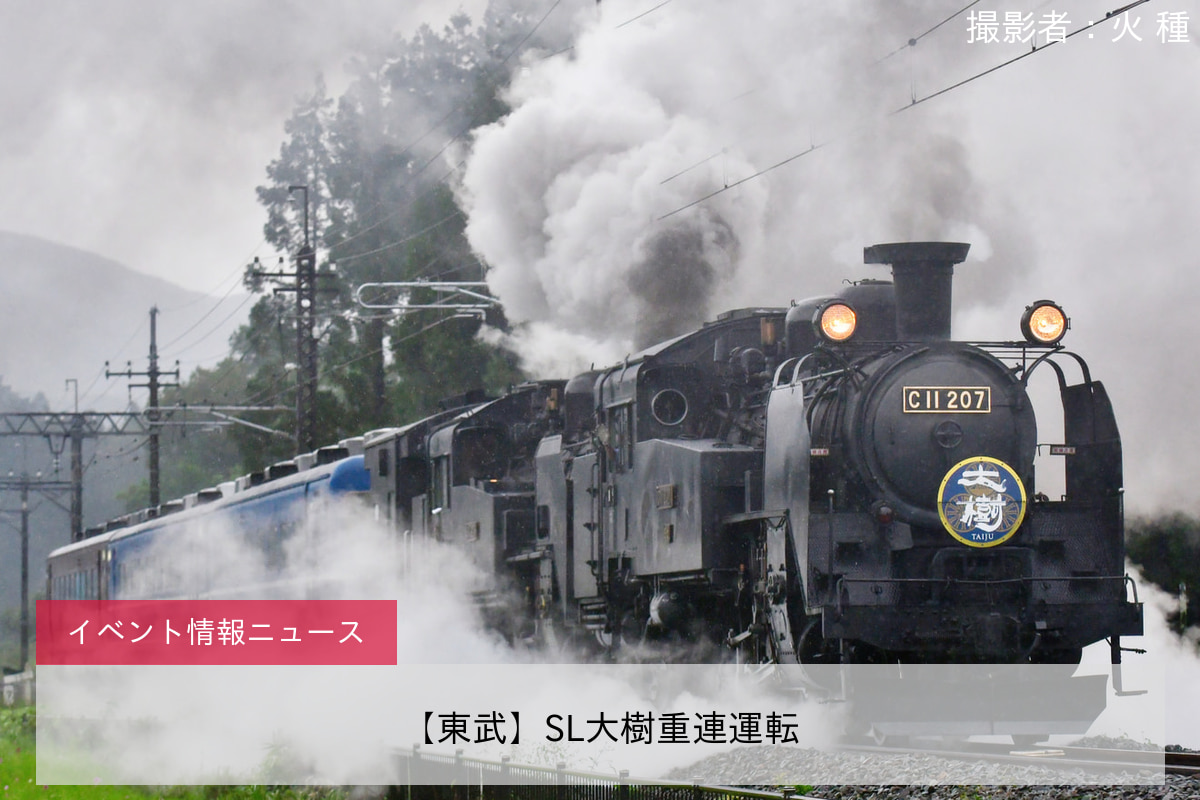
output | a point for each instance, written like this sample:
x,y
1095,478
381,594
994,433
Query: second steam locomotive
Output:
x,y
835,482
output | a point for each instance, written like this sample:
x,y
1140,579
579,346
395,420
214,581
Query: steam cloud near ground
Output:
x,y
339,725
294,724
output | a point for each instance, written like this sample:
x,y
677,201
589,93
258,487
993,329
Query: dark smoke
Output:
x,y
674,284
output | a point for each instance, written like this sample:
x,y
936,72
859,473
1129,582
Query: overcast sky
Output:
x,y
139,130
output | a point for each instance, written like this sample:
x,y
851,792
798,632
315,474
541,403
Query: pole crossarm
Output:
x,y
210,409
465,297
87,424
75,427
15,484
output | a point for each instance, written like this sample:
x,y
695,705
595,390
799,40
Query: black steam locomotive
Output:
x,y
834,482
838,482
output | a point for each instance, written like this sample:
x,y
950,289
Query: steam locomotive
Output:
x,y
835,482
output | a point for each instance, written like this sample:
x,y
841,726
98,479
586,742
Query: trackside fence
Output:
x,y
431,776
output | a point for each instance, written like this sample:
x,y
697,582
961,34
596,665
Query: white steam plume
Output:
x,y
1071,172
570,197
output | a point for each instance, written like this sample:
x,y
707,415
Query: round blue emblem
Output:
x,y
981,501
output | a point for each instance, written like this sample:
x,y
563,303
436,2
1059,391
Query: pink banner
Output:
x,y
231,632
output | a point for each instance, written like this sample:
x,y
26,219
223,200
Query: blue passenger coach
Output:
x,y
227,541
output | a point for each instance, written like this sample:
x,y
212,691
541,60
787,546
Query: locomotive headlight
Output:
x,y
1044,323
836,322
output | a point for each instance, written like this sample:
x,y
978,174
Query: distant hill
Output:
x,y
64,312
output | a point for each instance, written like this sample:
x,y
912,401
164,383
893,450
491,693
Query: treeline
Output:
x,y
379,163
1166,548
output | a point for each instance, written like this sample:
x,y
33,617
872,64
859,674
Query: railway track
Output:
x,y
986,764
1087,759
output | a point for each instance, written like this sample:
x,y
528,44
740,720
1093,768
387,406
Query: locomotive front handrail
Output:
x,y
1045,358
1129,581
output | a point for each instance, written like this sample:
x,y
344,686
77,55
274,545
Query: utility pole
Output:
x,y
305,287
24,574
306,348
23,485
152,374
76,435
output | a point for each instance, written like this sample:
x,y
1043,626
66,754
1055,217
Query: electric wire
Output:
x,y
735,184
686,170
532,31
399,210
364,231
644,13
206,315
915,102
571,47
263,398
405,240
84,394
913,41
1108,15
218,326
236,271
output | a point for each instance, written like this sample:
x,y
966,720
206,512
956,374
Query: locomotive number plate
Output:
x,y
947,399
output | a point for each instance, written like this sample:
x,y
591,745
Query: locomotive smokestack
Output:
x,y
924,275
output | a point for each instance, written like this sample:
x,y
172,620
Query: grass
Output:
x,y
18,767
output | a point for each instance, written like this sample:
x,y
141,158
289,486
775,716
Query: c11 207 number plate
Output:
x,y
947,399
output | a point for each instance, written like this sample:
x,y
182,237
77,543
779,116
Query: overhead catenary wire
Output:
x,y
916,101
644,13
746,179
218,326
913,41
84,394
629,21
234,274
206,315
532,31
405,240
1109,15
399,210
408,148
